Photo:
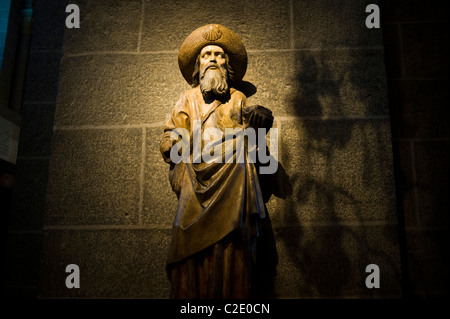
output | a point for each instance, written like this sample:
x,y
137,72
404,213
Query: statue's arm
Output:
x,y
178,119
257,116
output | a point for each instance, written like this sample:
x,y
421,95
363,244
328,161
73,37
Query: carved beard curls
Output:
x,y
214,82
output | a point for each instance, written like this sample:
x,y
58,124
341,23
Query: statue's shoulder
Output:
x,y
238,95
188,96
192,93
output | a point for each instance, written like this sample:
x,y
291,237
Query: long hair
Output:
x,y
196,73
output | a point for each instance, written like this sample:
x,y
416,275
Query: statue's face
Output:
x,y
212,57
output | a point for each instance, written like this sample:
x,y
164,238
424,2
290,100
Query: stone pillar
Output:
x,y
416,37
38,100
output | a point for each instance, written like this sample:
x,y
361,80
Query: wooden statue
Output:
x,y
213,248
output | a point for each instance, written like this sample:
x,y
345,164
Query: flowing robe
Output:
x,y
216,222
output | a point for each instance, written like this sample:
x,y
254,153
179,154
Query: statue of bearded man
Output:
x,y
217,223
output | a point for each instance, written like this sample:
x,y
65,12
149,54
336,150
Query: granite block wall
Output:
x,y
109,206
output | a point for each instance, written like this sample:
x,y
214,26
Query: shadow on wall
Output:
x,y
278,185
329,185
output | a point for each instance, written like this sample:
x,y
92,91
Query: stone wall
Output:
x,y
109,206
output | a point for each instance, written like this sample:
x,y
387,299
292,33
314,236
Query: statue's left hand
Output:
x,y
259,116
165,147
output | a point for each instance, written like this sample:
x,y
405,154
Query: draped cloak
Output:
x,y
215,199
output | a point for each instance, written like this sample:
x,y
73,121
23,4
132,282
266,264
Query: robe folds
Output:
x,y
220,204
